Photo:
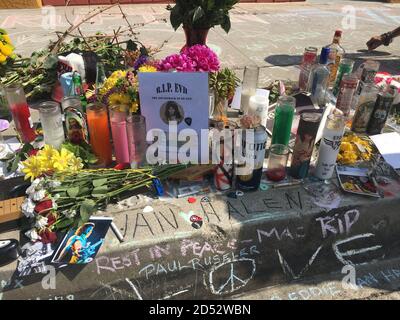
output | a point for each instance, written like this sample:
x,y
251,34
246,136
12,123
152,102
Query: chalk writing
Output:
x,y
335,224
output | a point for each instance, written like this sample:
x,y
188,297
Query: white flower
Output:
x,y
41,222
54,204
38,195
56,196
28,208
32,234
70,214
32,188
54,183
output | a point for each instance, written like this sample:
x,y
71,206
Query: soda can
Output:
x,y
304,145
348,87
249,174
380,113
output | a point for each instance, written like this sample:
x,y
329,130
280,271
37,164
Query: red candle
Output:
x,y
20,112
276,174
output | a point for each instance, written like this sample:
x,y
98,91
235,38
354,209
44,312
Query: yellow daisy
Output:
x,y
147,68
75,164
62,159
118,99
32,168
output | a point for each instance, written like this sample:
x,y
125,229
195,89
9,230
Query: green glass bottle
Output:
x,y
78,90
284,113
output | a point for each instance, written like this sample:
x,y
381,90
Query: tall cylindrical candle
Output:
x,y
51,120
284,113
347,90
20,111
381,112
258,107
119,135
304,145
329,148
249,86
99,131
136,130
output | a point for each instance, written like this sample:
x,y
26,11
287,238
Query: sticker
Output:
x,y
264,187
191,199
195,218
205,199
239,193
188,121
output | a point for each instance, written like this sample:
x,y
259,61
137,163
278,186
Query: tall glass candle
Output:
x,y
136,130
284,113
330,145
99,131
51,120
119,135
249,86
258,108
20,111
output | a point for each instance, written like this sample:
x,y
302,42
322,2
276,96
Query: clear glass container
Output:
x,y
20,111
277,162
118,121
51,119
136,130
249,86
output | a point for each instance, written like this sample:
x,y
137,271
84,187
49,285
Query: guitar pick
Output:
x,y
197,224
188,121
205,199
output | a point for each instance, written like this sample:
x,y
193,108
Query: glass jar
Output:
x,y
99,132
118,121
51,119
20,111
277,161
136,130
249,87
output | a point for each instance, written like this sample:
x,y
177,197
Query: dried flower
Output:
x,y
33,235
41,222
28,208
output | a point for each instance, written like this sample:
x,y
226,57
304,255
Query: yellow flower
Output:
x,y
119,99
32,167
134,107
3,58
75,164
147,68
62,159
6,49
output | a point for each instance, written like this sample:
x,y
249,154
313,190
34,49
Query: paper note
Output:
x,y
388,145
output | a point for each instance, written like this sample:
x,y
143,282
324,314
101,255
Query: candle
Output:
x,y
99,132
120,136
20,112
284,113
136,130
51,119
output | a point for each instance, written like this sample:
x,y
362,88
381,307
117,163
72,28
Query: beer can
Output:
x,y
347,90
248,176
304,145
380,113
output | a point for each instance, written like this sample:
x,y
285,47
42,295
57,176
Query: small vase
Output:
x,y
220,109
195,36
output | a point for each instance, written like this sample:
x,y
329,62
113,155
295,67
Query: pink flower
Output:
x,y
204,59
178,62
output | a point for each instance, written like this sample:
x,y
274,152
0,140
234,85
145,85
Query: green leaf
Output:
x,y
131,45
226,23
198,13
99,182
176,17
100,191
64,224
86,209
73,192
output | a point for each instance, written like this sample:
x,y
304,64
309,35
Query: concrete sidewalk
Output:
x,y
273,36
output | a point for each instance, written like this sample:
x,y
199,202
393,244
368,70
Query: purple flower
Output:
x,y
140,61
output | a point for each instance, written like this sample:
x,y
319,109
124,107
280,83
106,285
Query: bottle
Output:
x,y
20,112
335,56
51,120
319,78
345,67
364,108
284,113
366,74
309,59
77,90
329,148
381,111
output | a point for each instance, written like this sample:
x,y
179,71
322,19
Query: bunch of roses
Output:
x,y
198,58
41,207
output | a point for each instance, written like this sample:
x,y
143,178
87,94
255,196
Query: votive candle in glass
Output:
x,y
51,120
136,130
119,135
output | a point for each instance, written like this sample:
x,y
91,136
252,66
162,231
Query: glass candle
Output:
x,y
99,131
277,161
330,145
136,130
75,120
284,113
119,135
20,111
309,59
249,86
258,108
51,119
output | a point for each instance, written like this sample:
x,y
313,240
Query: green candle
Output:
x,y
284,113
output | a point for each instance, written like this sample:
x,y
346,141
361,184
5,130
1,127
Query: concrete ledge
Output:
x,y
259,240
